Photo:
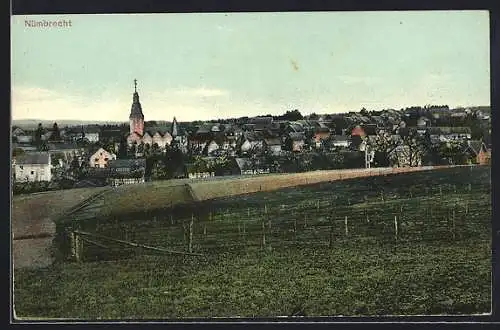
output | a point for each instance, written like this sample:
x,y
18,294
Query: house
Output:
x,y
358,131
339,141
31,167
247,166
26,147
449,133
252,141
67,150
479,151
321,133
126,171
16,131
273,145
259,123
24,138
101,158
211,147
423,122
296,141
91,133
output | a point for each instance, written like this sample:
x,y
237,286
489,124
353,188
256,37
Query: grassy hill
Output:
x,y
285,252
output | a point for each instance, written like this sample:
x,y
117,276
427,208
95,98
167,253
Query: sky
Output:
x,y
219,65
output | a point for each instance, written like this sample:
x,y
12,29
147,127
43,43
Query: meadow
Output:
x,y
405,244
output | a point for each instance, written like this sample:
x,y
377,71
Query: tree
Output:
x,y
56,134
292,115
132,150
123,149
38,136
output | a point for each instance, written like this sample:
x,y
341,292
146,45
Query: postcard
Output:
x,y
251,165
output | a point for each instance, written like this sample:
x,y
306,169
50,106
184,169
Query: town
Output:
x,y
50,158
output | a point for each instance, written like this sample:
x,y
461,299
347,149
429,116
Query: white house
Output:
x,y
273,145
31,167
211,147
101,158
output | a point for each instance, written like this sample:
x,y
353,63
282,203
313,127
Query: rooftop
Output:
x,y
38,158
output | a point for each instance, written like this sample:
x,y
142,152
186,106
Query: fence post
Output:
x,y
396,227
305,220
345,225
248,212
263,235
453,223
295,229
190,246
317,204
331,233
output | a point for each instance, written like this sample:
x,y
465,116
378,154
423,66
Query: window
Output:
x,y
32,172
22,168
96,160
106,159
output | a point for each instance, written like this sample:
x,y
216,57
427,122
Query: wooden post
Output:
x,y
295,229
345,225
305,220
248,212
331,235
453,223
171,219
190,247
317,204
396,227
265,208
470,187
466,207
205,229
78,245
440,191
382,196
263,235
72,243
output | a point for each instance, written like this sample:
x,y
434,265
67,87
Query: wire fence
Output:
x,y
443,214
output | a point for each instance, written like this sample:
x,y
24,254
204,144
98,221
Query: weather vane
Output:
x,y
135,85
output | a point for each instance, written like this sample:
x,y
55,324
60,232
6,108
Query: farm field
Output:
x,y
416,243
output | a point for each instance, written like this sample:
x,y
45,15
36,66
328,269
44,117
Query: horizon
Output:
x,y
333,62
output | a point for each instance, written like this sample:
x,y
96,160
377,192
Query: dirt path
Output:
x,y
32,226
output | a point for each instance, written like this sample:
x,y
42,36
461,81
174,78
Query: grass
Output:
x,y
433,267
414,279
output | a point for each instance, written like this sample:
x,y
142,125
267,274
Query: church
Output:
x,y
161,136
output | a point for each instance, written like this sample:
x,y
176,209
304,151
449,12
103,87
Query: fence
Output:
x,y
444,213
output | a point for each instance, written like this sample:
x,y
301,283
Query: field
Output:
x,y
417,243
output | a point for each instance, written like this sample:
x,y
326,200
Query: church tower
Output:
x,y
136,116
174,129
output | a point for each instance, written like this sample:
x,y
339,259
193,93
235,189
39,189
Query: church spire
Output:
x,y
136,110
174,130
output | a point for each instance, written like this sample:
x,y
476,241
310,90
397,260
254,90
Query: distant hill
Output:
x,y
33,123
